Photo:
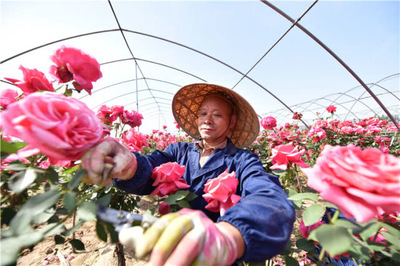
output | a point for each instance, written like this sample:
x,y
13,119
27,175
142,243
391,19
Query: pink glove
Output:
x,y
205,244
108,160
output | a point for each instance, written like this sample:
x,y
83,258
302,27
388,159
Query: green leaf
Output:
x,y
87,211
77,244
16,167
184,204
303,196
76,179
370,230
34,206
104,200
174,198
52,175
291,261
59,239
184,193
330,205
10,248
69,201
353,227
10,147
20,181
53,229
101,232
313,214
336,240
305,244
71,170
44,216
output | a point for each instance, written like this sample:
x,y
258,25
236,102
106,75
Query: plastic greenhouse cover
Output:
x,y
149,49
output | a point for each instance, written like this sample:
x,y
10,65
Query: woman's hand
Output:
x,y
108,160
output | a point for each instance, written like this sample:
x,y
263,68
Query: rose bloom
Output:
x,y
287,154
362,183
220,192
316,134
297,116
168,179
331,109
33,81
133,119
268,122
62,128
7,96
133,140
73,64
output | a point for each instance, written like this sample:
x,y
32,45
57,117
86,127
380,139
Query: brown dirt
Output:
x,y
96,253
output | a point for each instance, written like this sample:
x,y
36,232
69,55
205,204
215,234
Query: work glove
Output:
x,y
108,160
187,237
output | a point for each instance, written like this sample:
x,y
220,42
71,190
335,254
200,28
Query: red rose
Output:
x,y
168,179
220,192
7,96
331,109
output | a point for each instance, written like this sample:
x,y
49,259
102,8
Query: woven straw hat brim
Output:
x,y
186,104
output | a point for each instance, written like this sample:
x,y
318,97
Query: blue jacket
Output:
x,y
263,215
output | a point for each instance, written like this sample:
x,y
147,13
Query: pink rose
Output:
x,y
33,81
168,179
317,134
331,109
220,192
285,155
362,183
62,128
134,141
7,96
133,119
73,64
268,122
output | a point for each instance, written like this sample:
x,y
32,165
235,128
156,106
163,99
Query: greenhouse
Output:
x,y
313,89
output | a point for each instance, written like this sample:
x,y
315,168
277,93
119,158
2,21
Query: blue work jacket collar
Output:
x,y
216,160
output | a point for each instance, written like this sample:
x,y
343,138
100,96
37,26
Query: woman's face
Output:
x,y
214,120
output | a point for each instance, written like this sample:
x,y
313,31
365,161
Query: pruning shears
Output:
x,y
123,219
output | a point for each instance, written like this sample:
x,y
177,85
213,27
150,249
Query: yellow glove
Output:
x,y
183,238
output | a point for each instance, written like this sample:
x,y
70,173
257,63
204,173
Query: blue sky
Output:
x,y
364,34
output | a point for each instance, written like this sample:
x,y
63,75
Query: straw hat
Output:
x,y
187,102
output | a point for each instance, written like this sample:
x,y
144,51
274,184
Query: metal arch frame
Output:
x,y
336,57
122,95
156,63
126,81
